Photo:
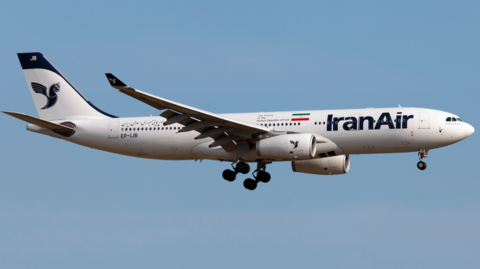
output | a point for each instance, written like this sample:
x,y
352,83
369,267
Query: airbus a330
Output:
x,y
315,141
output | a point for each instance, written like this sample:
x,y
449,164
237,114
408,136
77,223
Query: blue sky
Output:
x,y
66,206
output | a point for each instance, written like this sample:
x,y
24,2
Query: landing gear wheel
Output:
x,y
263,176
229,175
250,184
422,165
243,167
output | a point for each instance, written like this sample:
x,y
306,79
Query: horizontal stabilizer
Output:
x,y
57,128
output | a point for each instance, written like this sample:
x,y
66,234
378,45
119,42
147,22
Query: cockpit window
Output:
x,y
459,119
453,119
449,119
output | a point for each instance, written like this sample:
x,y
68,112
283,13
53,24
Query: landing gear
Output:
x,y
242,167
259,175
250,184
229,175
263,176
423,154
421,165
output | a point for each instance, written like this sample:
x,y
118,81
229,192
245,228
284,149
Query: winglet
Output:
x,y
115,82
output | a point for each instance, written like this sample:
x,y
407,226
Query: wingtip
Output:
x,y
114,81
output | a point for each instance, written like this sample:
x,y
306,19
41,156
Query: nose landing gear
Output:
x,y
423,154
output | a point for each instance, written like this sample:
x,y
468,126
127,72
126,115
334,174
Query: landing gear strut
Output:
x,y
259,174
423,154
241,167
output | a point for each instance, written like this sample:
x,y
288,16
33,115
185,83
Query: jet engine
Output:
x,y
336,165
287,147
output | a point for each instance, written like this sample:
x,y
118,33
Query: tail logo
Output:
x,y
113,80
51,94
34,58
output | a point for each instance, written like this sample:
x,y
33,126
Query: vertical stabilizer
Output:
x,y
54,96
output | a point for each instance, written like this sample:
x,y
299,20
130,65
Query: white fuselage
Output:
x,y
354,131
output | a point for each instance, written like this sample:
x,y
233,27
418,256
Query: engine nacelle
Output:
x,y
336,165
288,147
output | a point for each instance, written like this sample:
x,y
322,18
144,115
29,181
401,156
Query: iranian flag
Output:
x,y
301,117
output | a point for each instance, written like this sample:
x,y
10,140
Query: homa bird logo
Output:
x,y
51,94
113,80
294,143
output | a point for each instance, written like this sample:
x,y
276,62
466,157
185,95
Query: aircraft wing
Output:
x,y
223,130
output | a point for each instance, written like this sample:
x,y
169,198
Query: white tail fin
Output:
x,y
54,96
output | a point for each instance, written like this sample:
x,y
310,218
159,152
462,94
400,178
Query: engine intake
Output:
x,y
288,147
336,165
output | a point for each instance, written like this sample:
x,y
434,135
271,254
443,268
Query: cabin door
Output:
x,y
424,121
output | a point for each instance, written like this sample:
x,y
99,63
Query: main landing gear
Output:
x,y
423,154
241,167
259,175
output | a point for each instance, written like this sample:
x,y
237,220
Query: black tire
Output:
x,y
422,165
263,176
250,184
229,175
243,167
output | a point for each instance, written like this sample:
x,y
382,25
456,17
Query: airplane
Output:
x,y
314,141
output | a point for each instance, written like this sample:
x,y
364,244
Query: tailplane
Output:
x,y
54,96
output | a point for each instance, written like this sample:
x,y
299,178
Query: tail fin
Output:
x,y
54,96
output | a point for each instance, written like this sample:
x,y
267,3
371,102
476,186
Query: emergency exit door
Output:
x,y
113,130
424,121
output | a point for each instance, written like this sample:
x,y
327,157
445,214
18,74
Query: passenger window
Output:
x,y
453,119
294,123
449,119
315,123
323,123
299,123
163,127
269,124
170,128
282,124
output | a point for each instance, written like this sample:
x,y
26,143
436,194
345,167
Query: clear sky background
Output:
x,y
67,206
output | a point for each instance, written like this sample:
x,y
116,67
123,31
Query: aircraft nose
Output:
x,y
469,130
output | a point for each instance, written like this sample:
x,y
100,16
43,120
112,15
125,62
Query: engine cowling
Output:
x,y
336,165
288,147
